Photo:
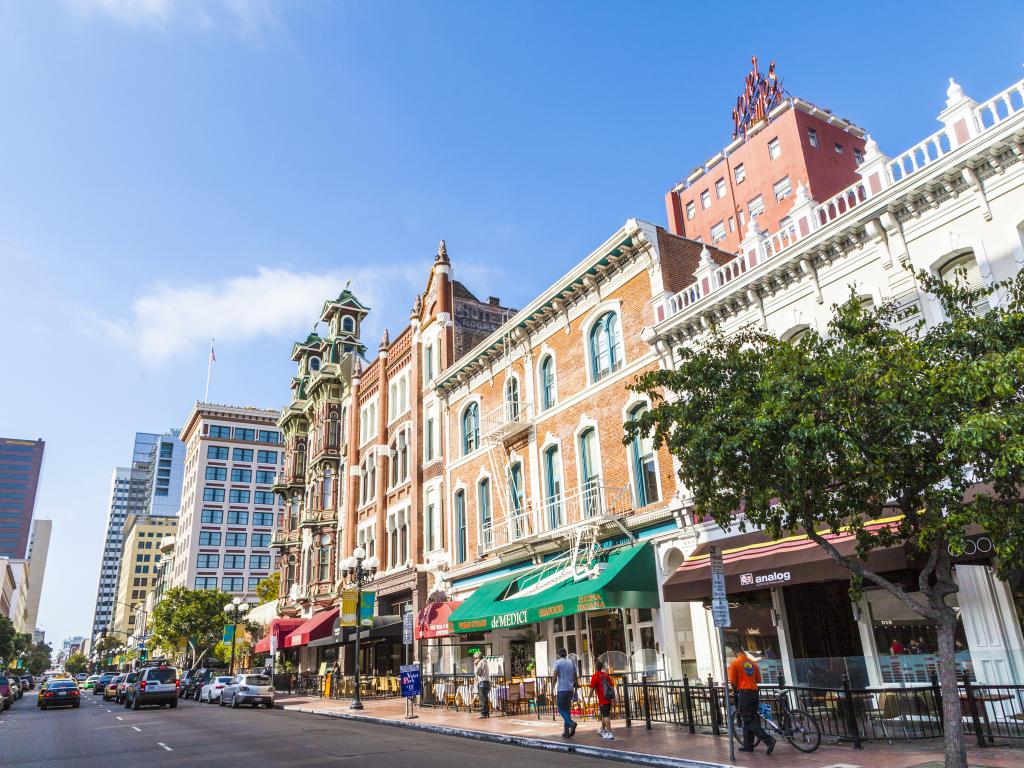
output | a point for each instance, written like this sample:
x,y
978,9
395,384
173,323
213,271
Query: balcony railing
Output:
x,y
318,516
592,502
507,420
284,538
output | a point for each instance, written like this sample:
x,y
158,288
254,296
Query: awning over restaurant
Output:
x,y
432,620
754,561
280,628
627,579
313,629
387,626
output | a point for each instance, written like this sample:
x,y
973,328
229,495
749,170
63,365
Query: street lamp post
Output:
x,y
235,609
359,570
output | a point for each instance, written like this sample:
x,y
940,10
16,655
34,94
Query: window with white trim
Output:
x,y
720,188
782,188
718,232
774,149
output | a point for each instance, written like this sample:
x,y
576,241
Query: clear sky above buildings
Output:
x,y
174,170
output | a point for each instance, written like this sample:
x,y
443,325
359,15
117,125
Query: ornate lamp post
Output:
x,y
235,609
358,570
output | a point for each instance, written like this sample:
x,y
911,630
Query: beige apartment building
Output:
x,y
140,560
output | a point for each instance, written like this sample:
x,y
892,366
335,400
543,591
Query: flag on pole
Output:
x,y
213,357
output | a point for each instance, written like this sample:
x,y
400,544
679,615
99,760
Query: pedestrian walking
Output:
x,y
483,684
744,675
564,676
604,688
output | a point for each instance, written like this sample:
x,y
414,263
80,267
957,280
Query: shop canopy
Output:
x,y
627,579
279,628
313,629
432,620
754,561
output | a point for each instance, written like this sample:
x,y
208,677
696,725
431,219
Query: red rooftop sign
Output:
x,y
761,94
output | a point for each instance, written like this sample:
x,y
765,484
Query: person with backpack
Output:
x,y
604,687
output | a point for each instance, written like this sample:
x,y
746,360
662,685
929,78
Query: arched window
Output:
x,y
314,363
324,563
547,382
400,459
605,346
483,502
645,465
470,428
794,335
300,460
517,500
512,399
348,324
293,513
963,270
327,492
590,485
460,526
553,487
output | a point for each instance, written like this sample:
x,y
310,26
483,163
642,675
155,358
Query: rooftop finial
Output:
x,y
385,342
705,255
442,253
954,93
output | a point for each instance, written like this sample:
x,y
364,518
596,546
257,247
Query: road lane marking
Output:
x,y
110,710
135,727
161,744
119,717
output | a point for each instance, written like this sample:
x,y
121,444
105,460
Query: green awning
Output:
x,y
628,580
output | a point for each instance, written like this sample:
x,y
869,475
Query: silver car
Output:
x,y
251,689
212,690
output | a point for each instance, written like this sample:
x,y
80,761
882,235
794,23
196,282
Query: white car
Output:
x,y
212,690
252,689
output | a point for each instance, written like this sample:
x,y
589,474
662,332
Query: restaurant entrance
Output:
x,y
606,633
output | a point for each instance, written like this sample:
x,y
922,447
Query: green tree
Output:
x,y
267,589
107,644
197,614
882,415
7,639
76,663
39,658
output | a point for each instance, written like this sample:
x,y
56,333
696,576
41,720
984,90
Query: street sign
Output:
x,y
407,628
719,599
410,680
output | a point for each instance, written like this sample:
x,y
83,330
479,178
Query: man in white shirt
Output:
x,y
483,684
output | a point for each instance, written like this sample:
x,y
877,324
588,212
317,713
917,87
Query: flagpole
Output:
x,y
209,368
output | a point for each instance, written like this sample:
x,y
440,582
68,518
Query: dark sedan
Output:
x,y
61,693
101,683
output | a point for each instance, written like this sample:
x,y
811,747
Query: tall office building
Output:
x,y
38,550
151,485
20,464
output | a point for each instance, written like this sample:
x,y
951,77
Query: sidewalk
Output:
x,y
662,745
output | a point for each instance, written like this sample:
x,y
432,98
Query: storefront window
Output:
x,y
753,629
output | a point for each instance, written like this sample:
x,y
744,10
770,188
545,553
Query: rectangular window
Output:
x,y
234,562
265,457
243,433
429,440
213,516
259,562
740,173
235,540
241,475
812,138
207,561
858,156
720,188
705,199
774,149
269,436
209,538
782,188
231,583
264,497
263,519
838,148
216,431
264,477
238,496
206,582
718,232
241,454
237,517
218,452
254,582
213,494
260,540
691,210
732,224
428,362
756,206
216,473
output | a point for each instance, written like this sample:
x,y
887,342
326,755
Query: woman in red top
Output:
x,y
603,685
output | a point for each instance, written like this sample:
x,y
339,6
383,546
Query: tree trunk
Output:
x,y
952,726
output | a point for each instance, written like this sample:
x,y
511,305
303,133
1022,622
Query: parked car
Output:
x,y
28,682
125,686
212,690
156,685
251,689
61,693
202,676
6,694
110,689
101,682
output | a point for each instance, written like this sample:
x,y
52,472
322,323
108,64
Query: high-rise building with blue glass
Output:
x,y
20,464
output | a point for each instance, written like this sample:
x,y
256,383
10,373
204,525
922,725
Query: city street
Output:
x,y
194,734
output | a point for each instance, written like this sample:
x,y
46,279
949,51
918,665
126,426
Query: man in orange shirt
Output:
x,y
744,676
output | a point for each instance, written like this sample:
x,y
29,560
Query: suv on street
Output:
x,y
156,685
125,688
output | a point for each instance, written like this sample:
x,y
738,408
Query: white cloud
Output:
x,y
173,320
248,17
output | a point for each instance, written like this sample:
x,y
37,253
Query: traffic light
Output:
x,y
143,655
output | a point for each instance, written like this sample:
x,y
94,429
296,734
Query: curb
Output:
x,y
584,750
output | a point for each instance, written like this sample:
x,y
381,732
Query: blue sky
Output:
x,y
172,170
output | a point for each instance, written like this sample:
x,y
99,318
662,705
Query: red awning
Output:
x,y
313,629
432,620
281,628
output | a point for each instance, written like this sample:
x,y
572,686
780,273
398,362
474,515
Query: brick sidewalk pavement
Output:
x,y
662,745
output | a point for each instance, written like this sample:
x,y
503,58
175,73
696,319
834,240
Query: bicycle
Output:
x,y
796,726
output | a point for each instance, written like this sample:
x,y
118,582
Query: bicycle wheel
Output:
x,y
802,731
737,729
